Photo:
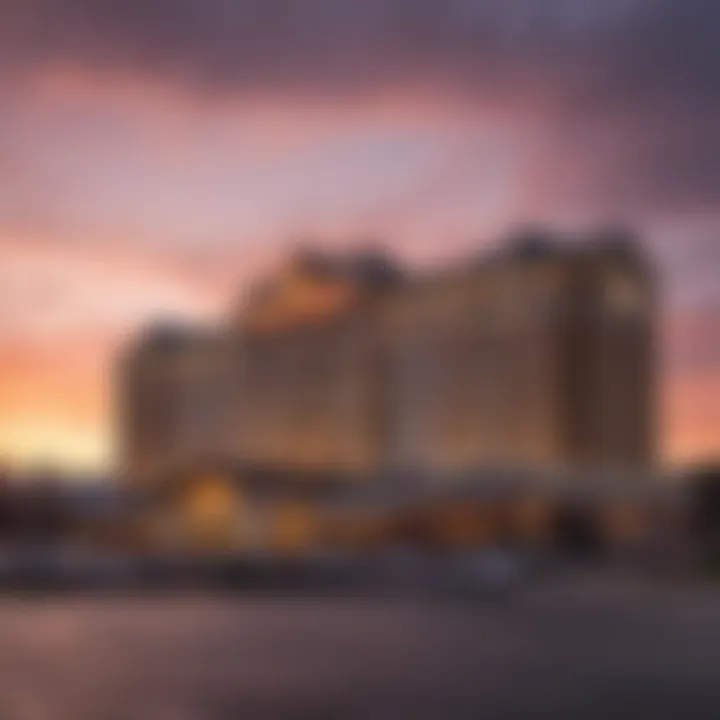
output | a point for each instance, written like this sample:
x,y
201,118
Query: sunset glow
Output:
x,y
155,169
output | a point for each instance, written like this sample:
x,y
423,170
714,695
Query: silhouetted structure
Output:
x,y
704,489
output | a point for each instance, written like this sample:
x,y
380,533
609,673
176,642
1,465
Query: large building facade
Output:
x,y
537,357
174,400
347,400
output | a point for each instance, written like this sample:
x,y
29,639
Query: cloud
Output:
x,y
65,312
627,87
625,47
135,126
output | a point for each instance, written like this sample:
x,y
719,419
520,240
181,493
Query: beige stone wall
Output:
x,y
539,362
149,415
306,396
472,369
174,406
626,374
610,363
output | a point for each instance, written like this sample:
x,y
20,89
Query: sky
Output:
x,y
156,155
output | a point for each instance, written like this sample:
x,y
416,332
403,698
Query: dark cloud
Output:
x,y
626,45
633,83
